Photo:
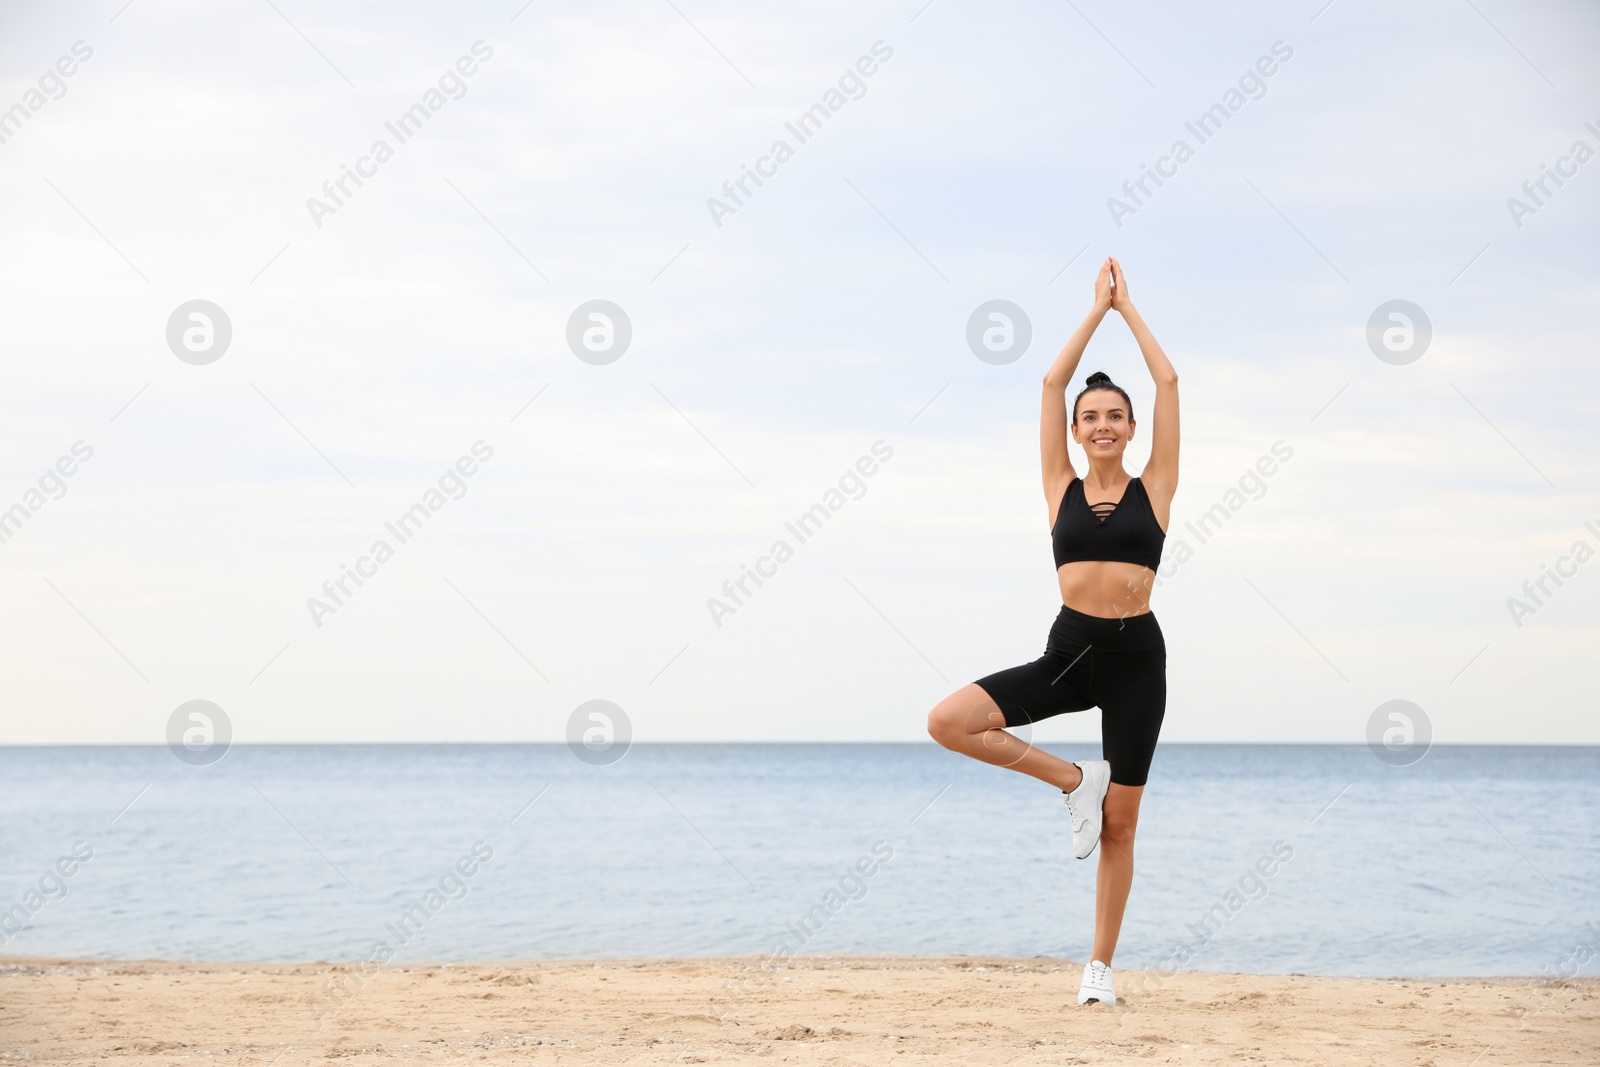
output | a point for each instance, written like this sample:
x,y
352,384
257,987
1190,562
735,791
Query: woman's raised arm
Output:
x,y
1054,463
1161,473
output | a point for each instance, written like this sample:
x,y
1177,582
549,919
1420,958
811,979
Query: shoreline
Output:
x,y
810,1009
758,961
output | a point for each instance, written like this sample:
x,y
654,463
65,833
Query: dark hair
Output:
x,y
1101,380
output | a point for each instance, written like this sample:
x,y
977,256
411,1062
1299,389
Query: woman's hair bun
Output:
x,y
1101,380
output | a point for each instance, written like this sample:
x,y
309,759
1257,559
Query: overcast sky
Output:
x,y
775,340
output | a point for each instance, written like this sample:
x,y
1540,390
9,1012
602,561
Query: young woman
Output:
x,y
1105,649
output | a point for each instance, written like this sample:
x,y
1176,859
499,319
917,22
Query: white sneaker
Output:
x,y
1084,804
1098,986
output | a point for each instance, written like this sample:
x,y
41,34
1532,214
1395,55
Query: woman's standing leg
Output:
x,y
1132,693
1115,877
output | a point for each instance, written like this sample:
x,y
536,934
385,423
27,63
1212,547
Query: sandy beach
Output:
x,y
834,1010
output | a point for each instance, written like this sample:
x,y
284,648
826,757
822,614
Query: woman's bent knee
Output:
x,y
946,724
962,713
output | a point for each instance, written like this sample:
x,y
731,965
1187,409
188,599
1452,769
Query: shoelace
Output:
x,y
1079,818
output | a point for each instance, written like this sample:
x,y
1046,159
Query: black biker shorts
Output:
x,y
1116,665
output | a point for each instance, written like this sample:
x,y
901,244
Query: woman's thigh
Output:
x,y
1053,684
1130,686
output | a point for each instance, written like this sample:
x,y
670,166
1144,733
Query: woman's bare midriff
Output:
x,y
1106,588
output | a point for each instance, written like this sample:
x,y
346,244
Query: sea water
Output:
x,y
1313,859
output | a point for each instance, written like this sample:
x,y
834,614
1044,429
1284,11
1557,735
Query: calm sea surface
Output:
x,y
1265,858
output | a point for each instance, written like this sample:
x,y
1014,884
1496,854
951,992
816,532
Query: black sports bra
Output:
x,y
1122,532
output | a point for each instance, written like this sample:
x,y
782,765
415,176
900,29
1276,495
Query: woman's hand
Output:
x,y
1103,300
1120,301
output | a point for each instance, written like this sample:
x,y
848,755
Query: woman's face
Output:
x,y
1104,426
